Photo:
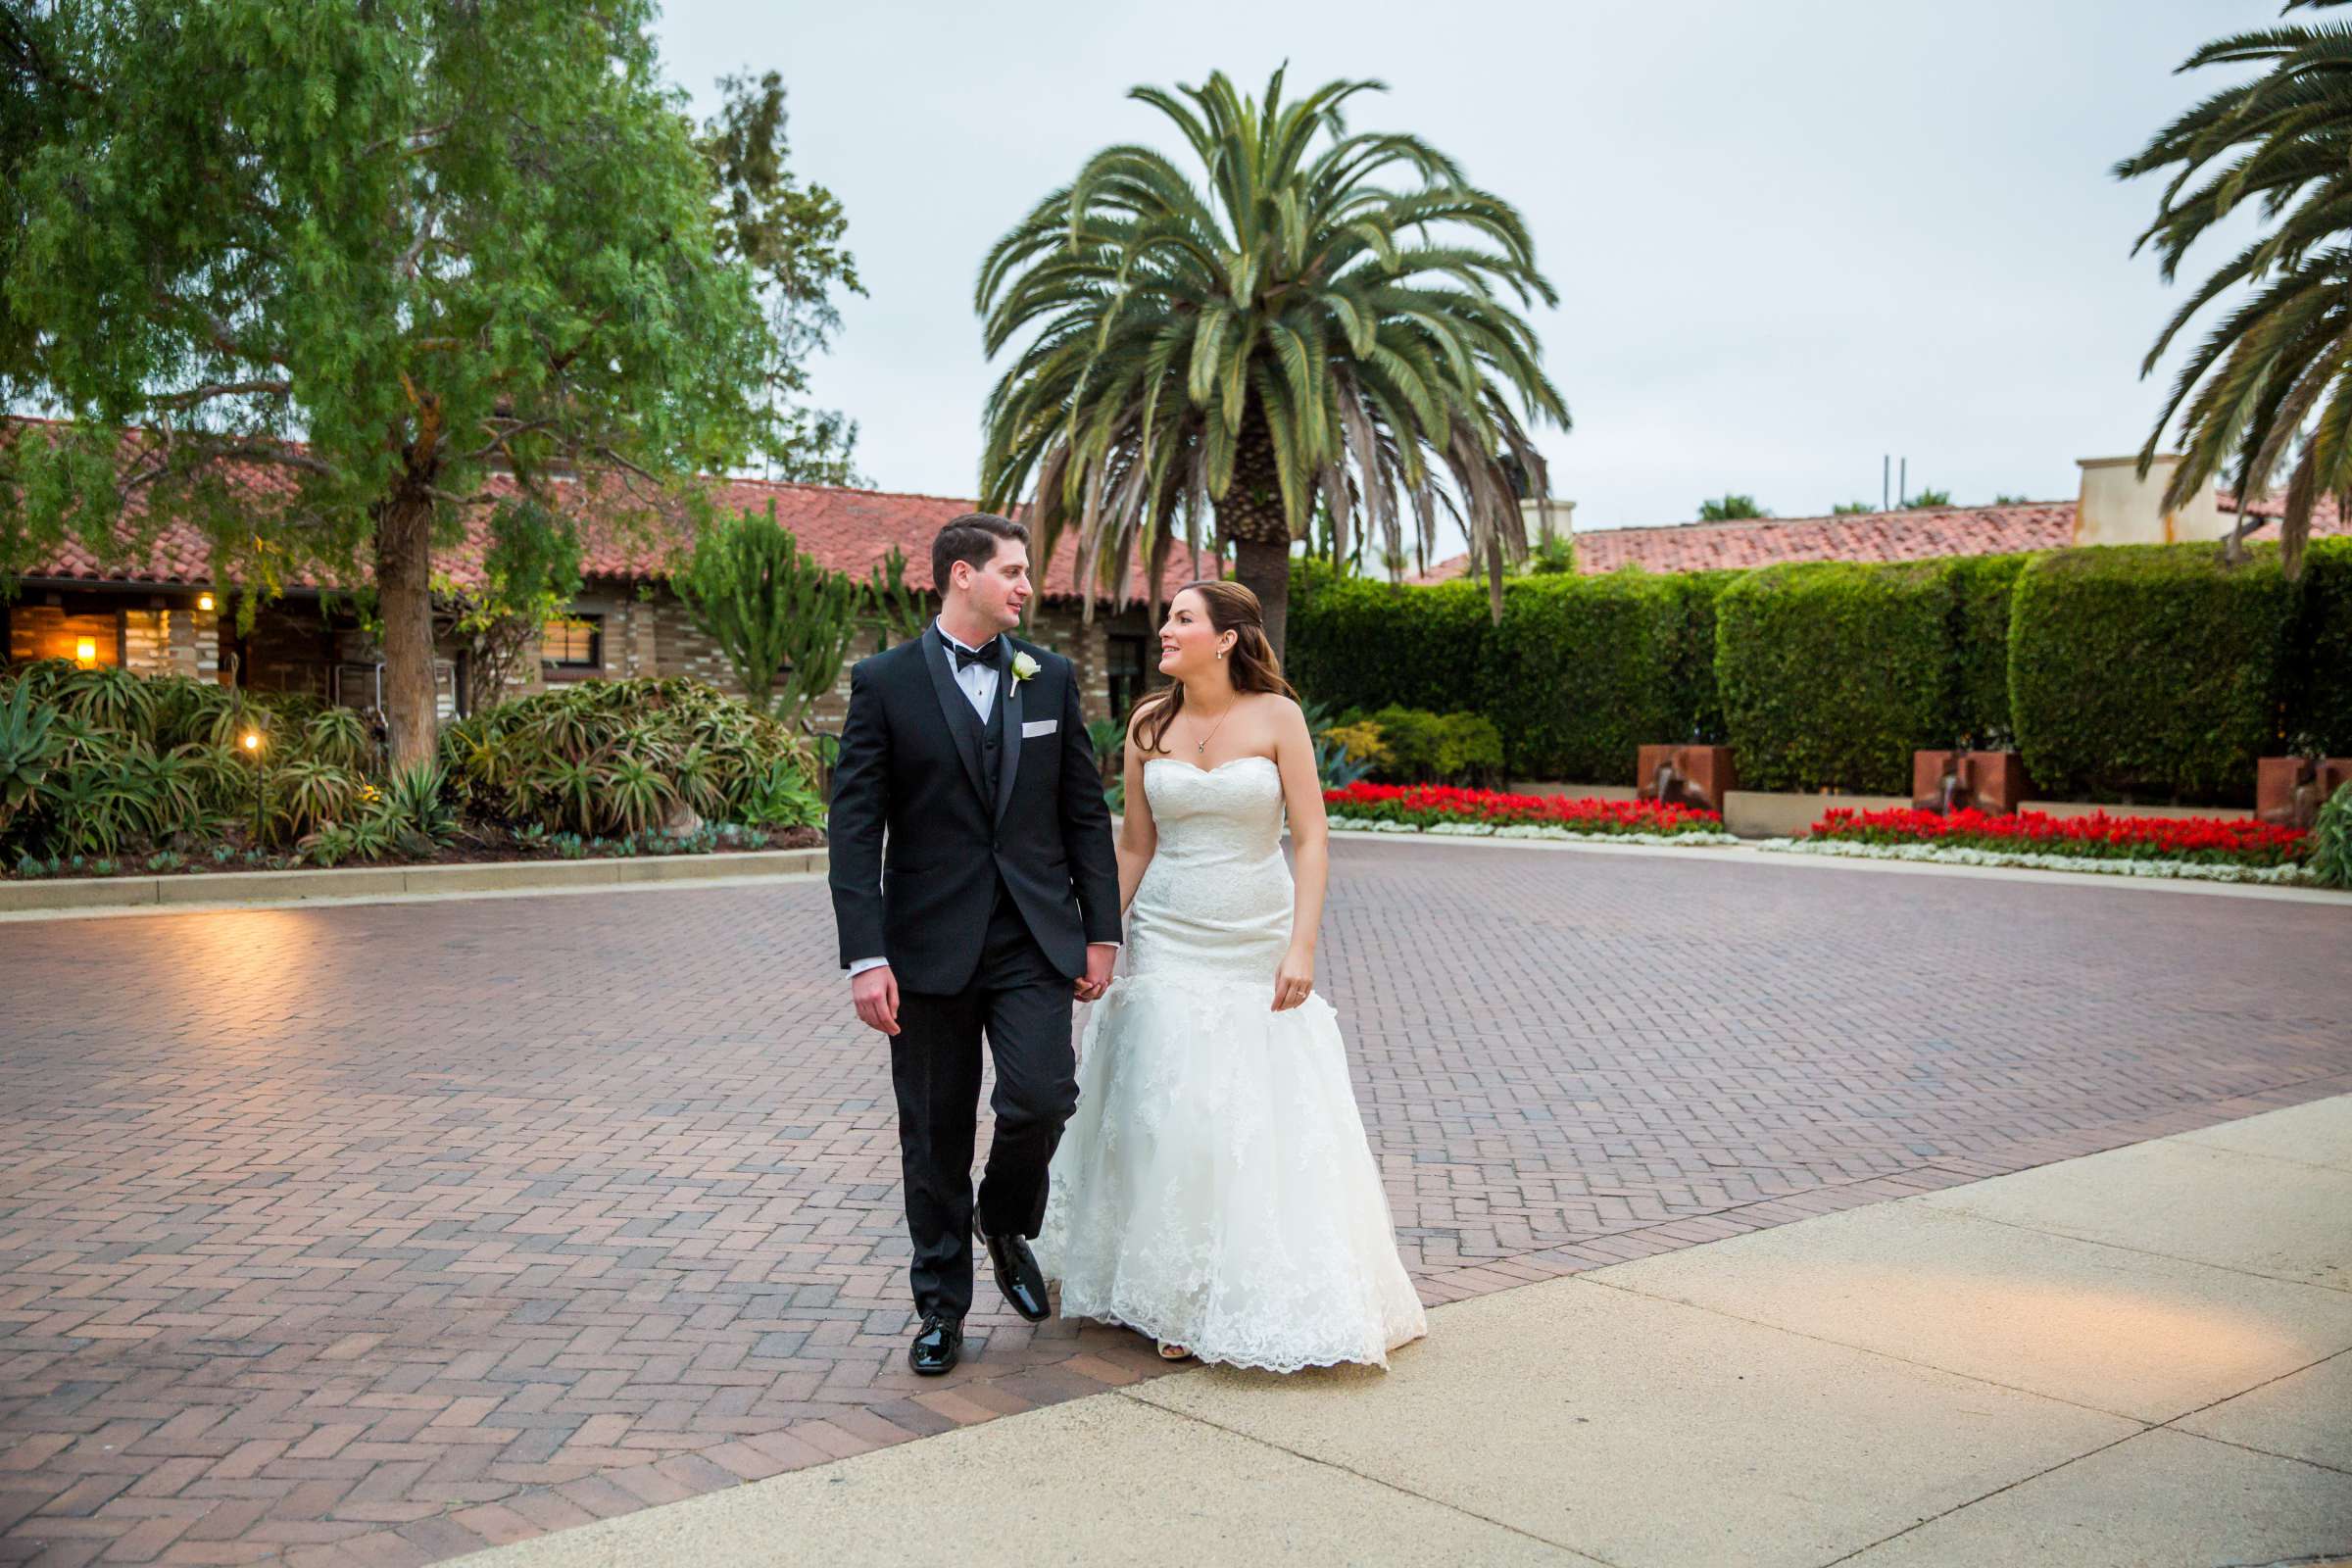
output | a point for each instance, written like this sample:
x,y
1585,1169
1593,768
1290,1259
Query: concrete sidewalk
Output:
x,y
2139,1357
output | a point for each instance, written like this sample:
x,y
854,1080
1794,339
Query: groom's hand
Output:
x,y
877,993
1100,958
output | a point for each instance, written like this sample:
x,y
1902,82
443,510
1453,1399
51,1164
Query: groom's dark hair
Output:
x,y
972,537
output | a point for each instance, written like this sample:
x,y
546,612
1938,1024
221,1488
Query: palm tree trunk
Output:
x,y
1250,519
1265,571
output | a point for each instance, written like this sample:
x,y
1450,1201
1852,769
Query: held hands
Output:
x,y
875,991
1295,981
1100,958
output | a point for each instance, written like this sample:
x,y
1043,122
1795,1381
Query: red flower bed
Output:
x,y
2232,840
1430,804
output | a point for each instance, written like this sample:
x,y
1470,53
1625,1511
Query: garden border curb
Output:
x,y
74,894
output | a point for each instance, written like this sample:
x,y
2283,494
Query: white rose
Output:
x,y
1023,666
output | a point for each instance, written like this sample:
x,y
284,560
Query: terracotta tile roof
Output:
x,y
849,530
1914,535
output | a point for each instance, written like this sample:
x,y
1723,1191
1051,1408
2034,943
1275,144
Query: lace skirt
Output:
x,y
1214,1188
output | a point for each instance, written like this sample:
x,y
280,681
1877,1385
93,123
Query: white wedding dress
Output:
x,y
1214,1188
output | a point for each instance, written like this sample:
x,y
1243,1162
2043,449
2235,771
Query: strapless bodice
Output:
x,y
1217,897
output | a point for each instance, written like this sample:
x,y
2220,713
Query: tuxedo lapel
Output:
x,y
954,706
1009,694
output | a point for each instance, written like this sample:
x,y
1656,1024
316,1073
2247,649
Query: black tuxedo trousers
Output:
x,y
974,854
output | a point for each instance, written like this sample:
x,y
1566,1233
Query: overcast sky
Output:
x,y
1787,237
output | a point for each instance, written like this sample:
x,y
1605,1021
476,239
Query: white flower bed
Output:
x,y
1523,830
1956,855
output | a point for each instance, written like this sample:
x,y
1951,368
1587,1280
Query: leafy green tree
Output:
x,y
791,235
2271,385
1929,498
772,608
1324,312
1729,508
1851,509
337,264
2006,500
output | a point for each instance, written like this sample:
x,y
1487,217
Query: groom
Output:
x,y
991,902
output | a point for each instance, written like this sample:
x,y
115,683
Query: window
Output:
x,y
1125,672
573,642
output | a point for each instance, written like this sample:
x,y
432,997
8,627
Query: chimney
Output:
x,y
1563,518
2120,507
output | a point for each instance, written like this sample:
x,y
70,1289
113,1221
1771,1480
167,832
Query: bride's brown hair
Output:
x,y
1234,609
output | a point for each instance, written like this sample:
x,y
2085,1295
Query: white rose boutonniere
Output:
x,y
1023,666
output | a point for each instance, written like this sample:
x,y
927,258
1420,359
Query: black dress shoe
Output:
x,y
935,1348
1017,1274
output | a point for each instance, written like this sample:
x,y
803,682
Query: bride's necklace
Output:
x,y
1201,748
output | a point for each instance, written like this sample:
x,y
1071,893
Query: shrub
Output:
x,y
1355,643
1982,587
1422,747
1363,743
1581,674
1694,698
2148,671
2331,840
1833,673
2319,679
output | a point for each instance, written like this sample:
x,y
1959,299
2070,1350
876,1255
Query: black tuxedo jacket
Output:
x,y
917,844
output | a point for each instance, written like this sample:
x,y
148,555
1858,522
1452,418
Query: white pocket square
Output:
x,y
1040,726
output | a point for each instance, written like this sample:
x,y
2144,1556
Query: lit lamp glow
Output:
x,y
204,601
85,651
252,744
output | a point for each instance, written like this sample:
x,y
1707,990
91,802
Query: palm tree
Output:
x,y
2275,377
1312,321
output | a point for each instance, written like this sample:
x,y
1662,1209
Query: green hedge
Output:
x,y
1696,700
2149,672
1358,643
1833,673
1982,587
2320,659
1580,671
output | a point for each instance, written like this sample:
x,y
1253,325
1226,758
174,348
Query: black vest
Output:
x,y
991,733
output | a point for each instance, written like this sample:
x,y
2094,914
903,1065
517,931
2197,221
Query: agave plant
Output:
x,y
338,735
699,775
110,697
567,789
413,798
169,790
634,797
93,808
781,797
312,793
2273,382
1337,320
78,740
29,747
187,708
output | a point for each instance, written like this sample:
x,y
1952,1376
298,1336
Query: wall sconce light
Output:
x,y
204,601
85,652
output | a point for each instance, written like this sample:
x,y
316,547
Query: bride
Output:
x,y
1215,1189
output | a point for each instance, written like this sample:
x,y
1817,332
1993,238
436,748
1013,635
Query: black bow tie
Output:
x,y
967,658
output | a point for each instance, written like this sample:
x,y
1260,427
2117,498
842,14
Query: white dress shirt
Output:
x,y
977,682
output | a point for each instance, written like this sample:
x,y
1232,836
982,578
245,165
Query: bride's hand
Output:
x,y
1295,981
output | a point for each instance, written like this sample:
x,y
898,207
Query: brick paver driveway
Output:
x,y
375,1234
